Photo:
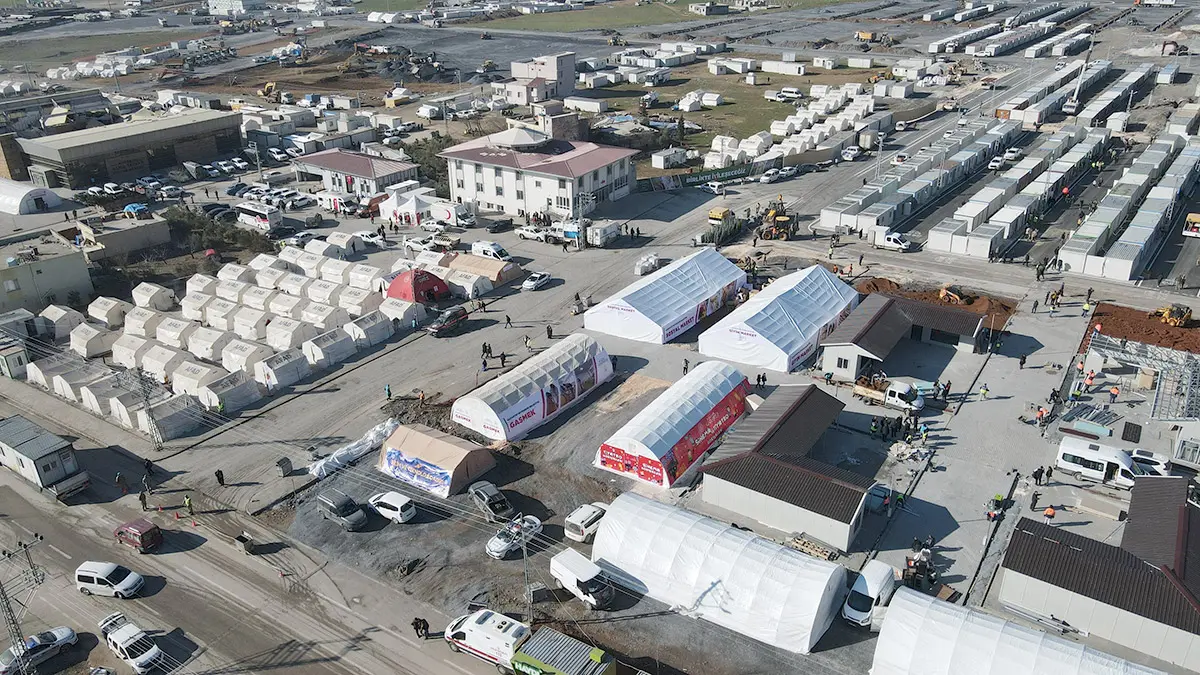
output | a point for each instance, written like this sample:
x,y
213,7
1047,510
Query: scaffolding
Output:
x,y
1177,392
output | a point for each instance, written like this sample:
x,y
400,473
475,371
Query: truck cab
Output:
x,y
582,578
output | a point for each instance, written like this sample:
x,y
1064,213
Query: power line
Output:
x,y
27,580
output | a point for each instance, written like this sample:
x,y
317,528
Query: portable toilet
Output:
x,y
329,348
142,322
209,343
282,370
369,329
242,355
56,322
109,311
90,341
192,375
153,296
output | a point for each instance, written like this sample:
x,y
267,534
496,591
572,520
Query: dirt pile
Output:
x,y
997,310
1126,323
871,285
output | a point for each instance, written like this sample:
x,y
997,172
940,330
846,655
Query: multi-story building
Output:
x,y
523,171
35,274
558,71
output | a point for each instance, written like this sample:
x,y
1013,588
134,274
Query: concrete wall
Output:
x,y
777,514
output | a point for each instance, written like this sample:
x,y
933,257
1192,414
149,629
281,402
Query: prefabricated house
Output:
x,y
336,271
257,297
192,375
250,323
357,302
369,329
175,332
160,361
94,395
194,304
325,317
14,358
109,311
270,277
236,272
328,349
173,417
219,314
295,284
282,370
242,355
67,383
288,305
200,283
18,322
153,296
90,341
56,322
324,292
230,393
142,322
129,350
40,457
231,290
42,371
404,315
350,243
288,333
364,277
208,343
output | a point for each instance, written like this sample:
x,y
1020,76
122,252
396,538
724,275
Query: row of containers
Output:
x,y
953,43
1116,97
883,203
1060,99
1119,238
1001,210
1009,40
1014,107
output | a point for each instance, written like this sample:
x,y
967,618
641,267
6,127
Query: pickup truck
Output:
x,y
132,645
68,486
893,241
898,395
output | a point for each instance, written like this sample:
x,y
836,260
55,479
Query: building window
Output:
x,y
458,164
621,182
563,202
460,184
479,187
11,285
478,168
579,182
608,171
499,191
537,183
520,194
498,172
519,175
843,364
47,468
562,184
20,462
595,176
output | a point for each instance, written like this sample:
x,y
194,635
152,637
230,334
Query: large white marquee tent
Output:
x,y
922,635
664,439
728,576
781,326
664,305
534,392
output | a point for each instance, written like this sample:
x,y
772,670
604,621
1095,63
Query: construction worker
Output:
x,y
1113,394
1089,380
1048,515
142,499
187,504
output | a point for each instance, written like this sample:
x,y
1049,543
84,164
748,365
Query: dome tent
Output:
x,y
780,327
89,341
189,377
175,332
328,349
417,286
153,296
21,199
57,321
666,437
369,329
664,305
282,370
516,402
767,592
142,322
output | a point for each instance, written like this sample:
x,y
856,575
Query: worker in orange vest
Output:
x,y
1113,394
1048,515
1089,381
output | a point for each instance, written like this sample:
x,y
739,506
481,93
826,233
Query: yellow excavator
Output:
x,y
1173,315
268,92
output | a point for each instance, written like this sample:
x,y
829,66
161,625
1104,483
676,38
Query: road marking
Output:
x,y
456,667
26,530
59,551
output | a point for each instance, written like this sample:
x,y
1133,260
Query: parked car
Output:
x,y
35,649
132,645
422,244
96,191
449,321
1012,154
431,225
872,589
236,189
278,155
393,506
300,239
240,163
582,523
300,202
499,225
770,176
532,232
371,238
535,281
210,170
294,152
171,191
209,208
340,508
996,164
1149,459
149,182
513,536
488,499
715,187
105,578
788,172
899,158
112,189
282,233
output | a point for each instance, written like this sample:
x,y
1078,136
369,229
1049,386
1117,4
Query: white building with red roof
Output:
x,y
521,171
355,173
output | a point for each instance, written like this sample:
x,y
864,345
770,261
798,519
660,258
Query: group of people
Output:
x,y
899,427
486,353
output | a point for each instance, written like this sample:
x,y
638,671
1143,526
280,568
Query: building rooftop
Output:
x,y
531,150
28,439
354,163
32,248
84,137
881,320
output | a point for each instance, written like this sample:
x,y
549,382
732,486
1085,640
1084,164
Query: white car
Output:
x,y
294,152
996,164
113,189
300,202
96,190
132,645
278,155
418,245
788,172
211,171
949,132
300,239
36,649
582,523
715,187
1060,65
149,182
371,238
240,163
517,533
900,158
171,191
431,225
1012,154
770,176
393,506
226,167
535,281
531,232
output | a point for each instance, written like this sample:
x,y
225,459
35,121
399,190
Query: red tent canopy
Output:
x,y
418,286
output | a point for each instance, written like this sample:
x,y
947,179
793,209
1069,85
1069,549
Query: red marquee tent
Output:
x,y
417,286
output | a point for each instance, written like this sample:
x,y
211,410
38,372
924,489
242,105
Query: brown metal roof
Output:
x,y
1105,573
875,326
1157,509
807,483
354,163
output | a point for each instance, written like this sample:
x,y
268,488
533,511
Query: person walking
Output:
x,y
860,260
387,391
220,476
503,356
549,331
507,321
1047,297
1049,472
1113,394
1087,308
142,499
146,484
120,480
564,246
1035,306
685,366
418,625
946,390
149,465
1037,476
187,504
1089,381
874,426
1048,515
483,368
764,376
1089,295
983,392
528,343
1021,362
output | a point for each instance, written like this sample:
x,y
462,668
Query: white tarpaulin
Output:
x,y
516,402
781,326
708,569
922,635
664,305
343,456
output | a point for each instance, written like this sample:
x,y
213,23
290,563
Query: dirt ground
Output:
x,y
998,310
1126,323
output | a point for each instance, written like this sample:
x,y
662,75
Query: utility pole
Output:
x,y
136,377
528,589
28,578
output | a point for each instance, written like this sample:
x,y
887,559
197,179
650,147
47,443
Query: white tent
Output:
x,y
89,341
364,276
219,313
242,355
200,283
662,306
467,285
175,332
294,284
348,242
369,329
191,376
208,343
287,333
719,573
402,313
153,296
56,321
94,395
194,305
230,393
236,272
251,324
264,261
310,261
123,405
257,297
269,278
109,311
142,322
288,305
42,371
67,383
666,437
324,292
427,259
173,417
534,392
336,271
231,290
161,361
129,350
329,348
780,327
282,370
290,257
325,317
926,636
358,302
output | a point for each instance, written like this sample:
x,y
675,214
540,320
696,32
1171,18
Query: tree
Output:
x,y
424,153
680,129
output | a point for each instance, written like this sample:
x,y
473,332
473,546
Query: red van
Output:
x,y
141,534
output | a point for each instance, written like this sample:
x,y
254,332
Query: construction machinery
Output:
x,y
865,36
268,92
777,223
617,41
953,295
1172,315
486,67
485,36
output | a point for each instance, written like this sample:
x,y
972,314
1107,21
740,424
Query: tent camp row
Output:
x,y
464,275
318,266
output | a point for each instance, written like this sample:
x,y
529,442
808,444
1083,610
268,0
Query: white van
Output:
x,y
1101,463
791,92
582,523
105,578
487,635
873,588
490,249
573,571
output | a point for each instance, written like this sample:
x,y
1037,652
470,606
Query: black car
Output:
x,y
209,209
236,189
282,232
448,322
500,225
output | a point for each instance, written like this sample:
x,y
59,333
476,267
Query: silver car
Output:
x,y
36,649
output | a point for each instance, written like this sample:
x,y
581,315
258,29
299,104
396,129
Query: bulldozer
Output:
x,y
1173,315
486,67
776,223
